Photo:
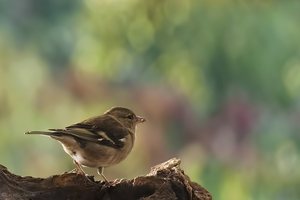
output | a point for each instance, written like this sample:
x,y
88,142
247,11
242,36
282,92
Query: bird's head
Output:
x,y
125,116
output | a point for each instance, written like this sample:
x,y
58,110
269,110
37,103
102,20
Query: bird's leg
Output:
x,y
78,169
100,172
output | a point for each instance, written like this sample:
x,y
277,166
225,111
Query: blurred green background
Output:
x,y
218,81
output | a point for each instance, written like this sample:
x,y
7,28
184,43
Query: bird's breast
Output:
x,y
96,155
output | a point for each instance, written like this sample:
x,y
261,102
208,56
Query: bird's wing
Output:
x,y
102,130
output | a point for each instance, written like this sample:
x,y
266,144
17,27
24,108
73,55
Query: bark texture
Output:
x,y
165,181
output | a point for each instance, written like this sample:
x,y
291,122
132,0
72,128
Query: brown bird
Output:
x,y
98,142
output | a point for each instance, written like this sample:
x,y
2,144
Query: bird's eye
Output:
x,y
130,117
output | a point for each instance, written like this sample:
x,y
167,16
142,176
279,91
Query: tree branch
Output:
x,y
165,181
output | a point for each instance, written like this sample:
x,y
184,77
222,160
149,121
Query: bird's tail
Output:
x,y
48,133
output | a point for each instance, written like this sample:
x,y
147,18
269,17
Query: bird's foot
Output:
x,y
117,181
77,171
73,171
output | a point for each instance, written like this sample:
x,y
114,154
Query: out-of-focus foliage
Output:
x,y
218,81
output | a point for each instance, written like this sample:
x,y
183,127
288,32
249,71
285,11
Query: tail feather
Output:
x,y
49,133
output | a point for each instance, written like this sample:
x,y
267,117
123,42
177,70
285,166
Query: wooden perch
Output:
x,y
165,181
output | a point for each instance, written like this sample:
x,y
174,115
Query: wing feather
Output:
x,y
103,130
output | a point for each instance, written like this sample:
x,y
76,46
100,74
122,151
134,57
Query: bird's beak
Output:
x,y
140,119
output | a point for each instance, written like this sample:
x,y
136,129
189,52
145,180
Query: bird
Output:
x,y
100,141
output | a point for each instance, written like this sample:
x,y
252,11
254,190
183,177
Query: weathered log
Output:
x,y
165,181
